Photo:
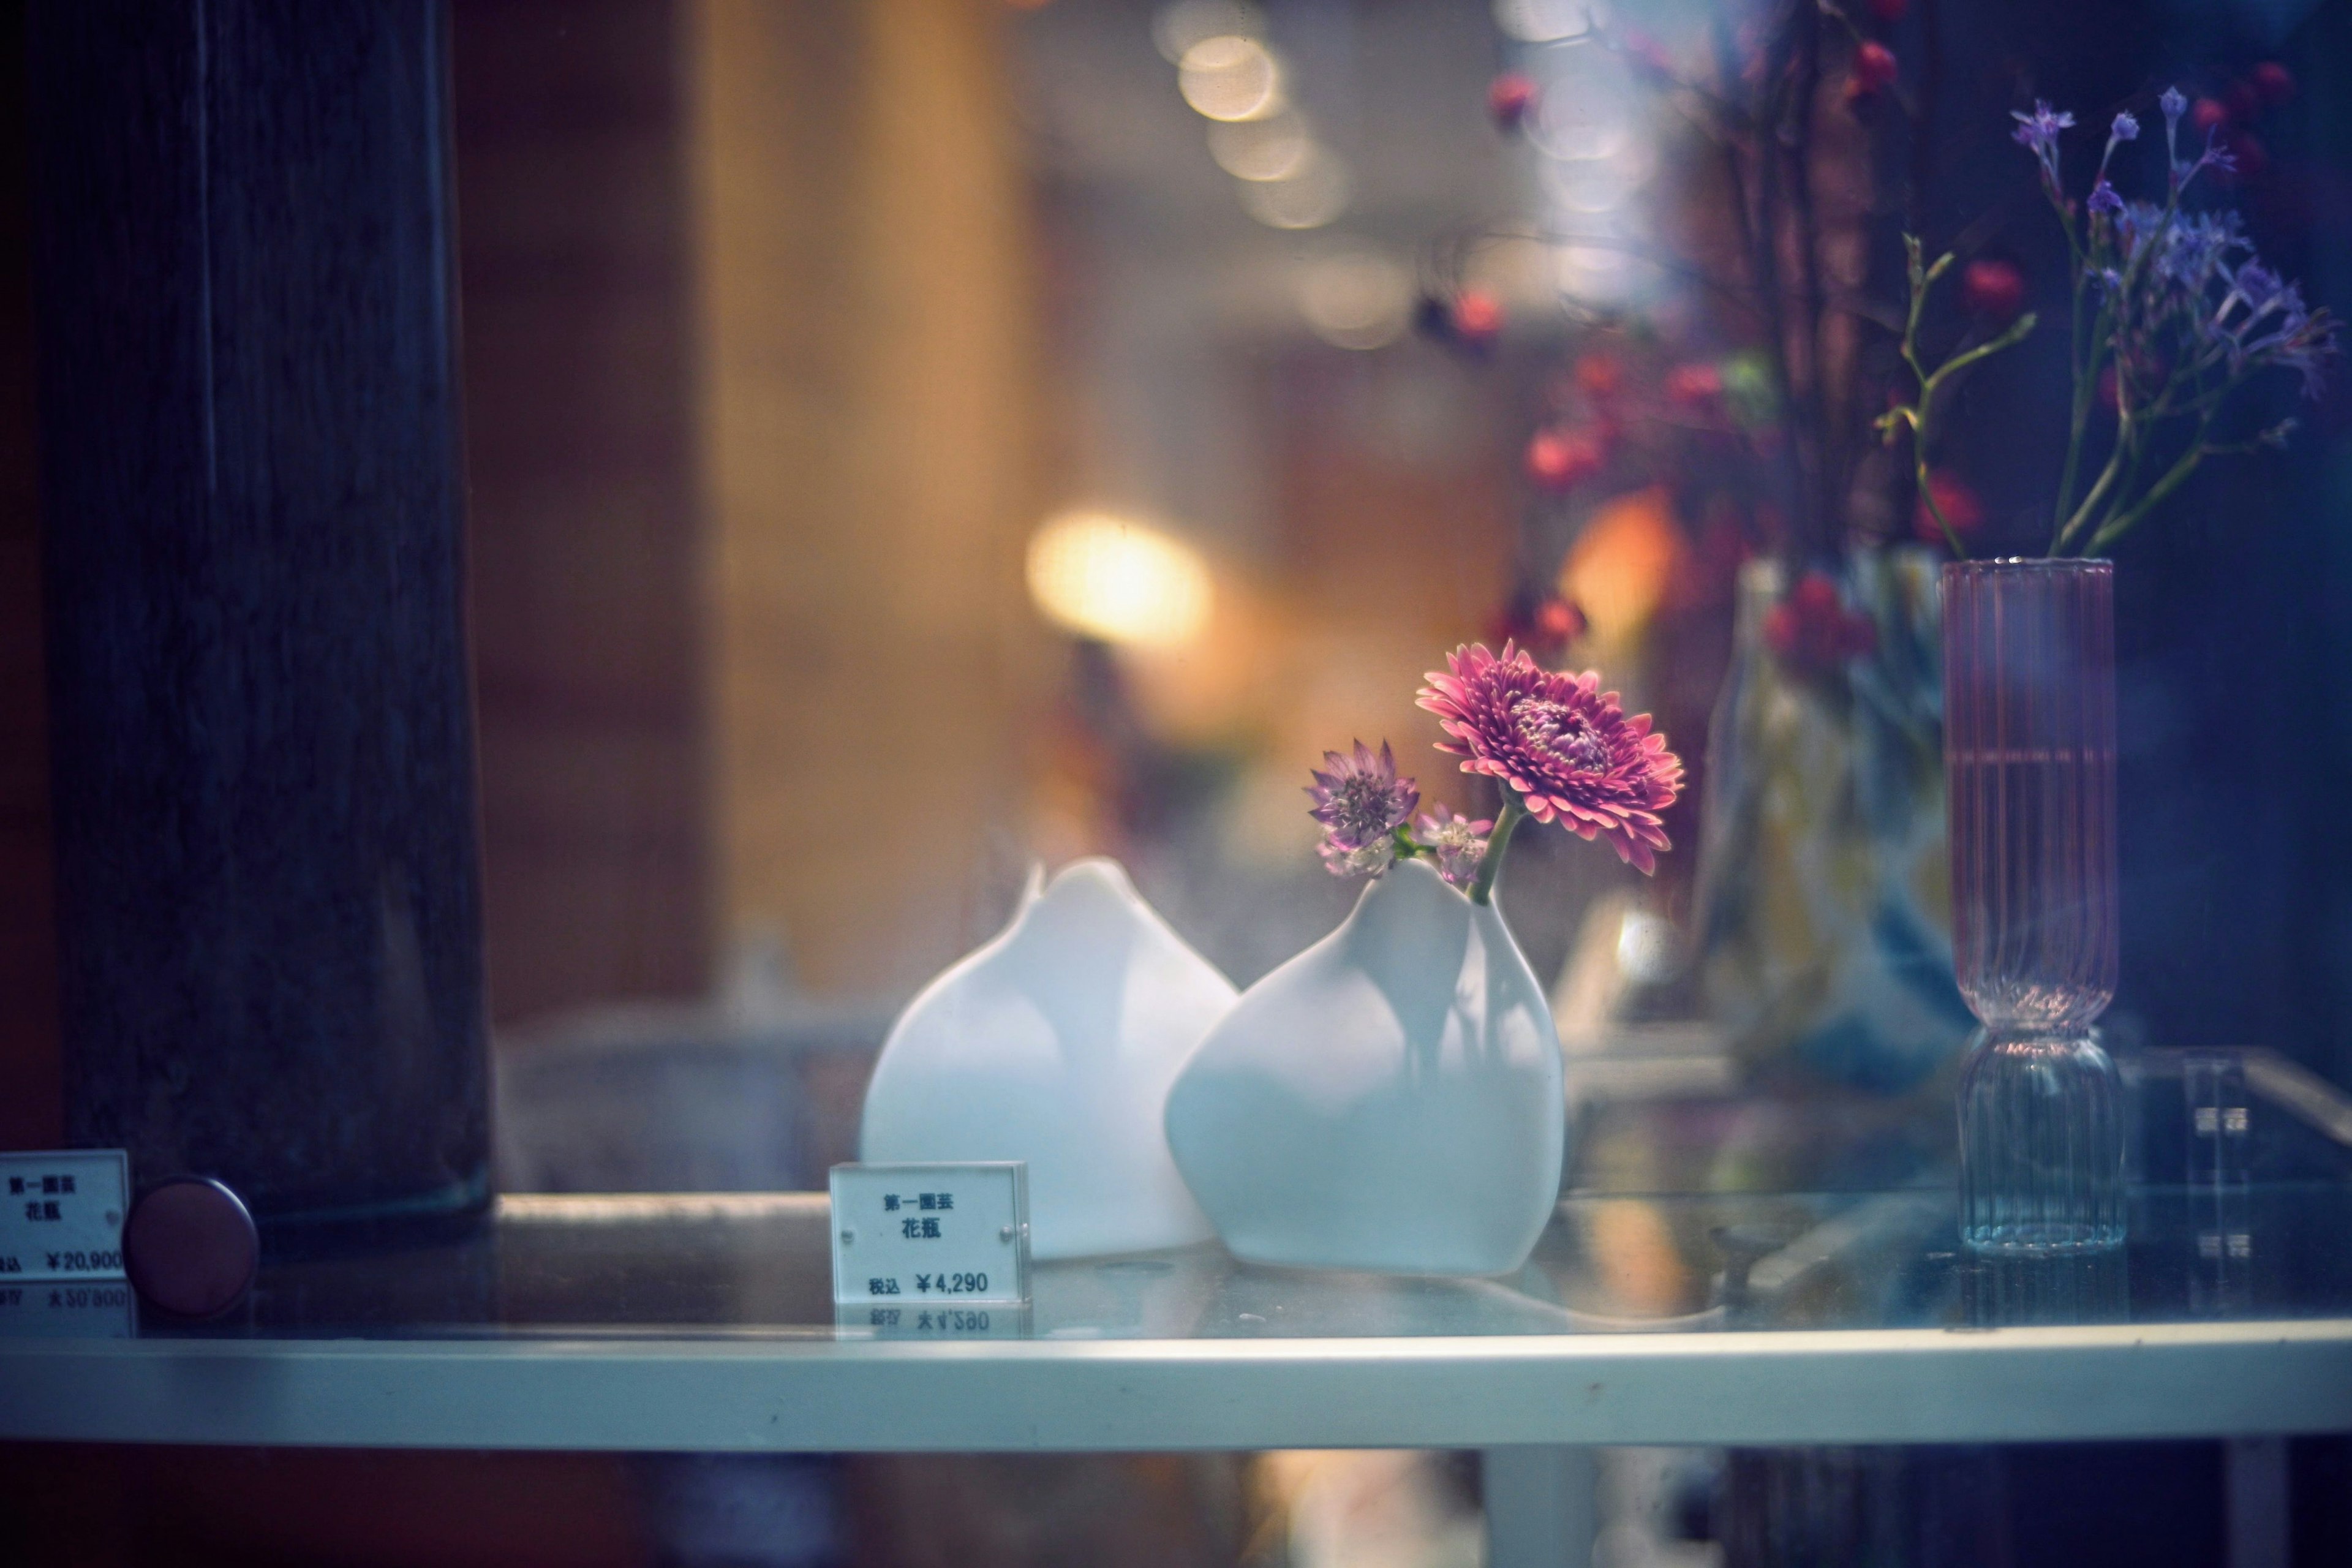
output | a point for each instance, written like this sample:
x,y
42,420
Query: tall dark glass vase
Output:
x,y
2029,768
263,768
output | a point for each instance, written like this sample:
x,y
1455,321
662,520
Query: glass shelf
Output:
x,y
706,1322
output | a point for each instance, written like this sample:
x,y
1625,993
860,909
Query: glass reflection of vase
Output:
x,y
2003,1291
1824,951
2030,766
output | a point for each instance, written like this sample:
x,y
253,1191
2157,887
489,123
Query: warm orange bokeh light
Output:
x,y
1620,567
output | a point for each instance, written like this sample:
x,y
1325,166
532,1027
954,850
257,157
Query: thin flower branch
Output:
x,y
1918,414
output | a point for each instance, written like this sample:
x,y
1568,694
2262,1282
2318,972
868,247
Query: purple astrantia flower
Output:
x,y
2038,132
1361,801
1455,843
1563,745
1370,860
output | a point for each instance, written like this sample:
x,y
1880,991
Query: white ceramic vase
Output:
x,y
1389,1100
1055,1044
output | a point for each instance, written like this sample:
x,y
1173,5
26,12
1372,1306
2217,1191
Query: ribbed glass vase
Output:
x,y
2030,770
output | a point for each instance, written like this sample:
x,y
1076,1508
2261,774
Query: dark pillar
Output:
x,y
262,751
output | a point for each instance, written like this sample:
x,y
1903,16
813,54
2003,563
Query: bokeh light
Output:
x,y
1275,148
1119,581
1357,299
1231,77
1548,21
1622,562
1311,198
1179,26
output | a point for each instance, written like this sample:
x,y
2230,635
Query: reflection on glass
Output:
x,y
2004,1292
2221,1140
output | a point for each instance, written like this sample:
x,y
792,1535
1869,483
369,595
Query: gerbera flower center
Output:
x,y
1555,730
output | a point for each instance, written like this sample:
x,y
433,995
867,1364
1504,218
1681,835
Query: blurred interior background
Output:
x,y
911,439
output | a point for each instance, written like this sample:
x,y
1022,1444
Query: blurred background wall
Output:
x,y
584,518
865,347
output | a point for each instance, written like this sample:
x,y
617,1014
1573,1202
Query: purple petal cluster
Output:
x,y
2193,286
2038,134
1361,802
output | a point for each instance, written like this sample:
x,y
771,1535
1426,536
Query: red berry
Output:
x,y
2208,112
1599,374
1478,317
1557,624
2248,150
1889,11
1694,387
1873,66
1993,290
1814,595
2272,80
1559,459
1509,97
1814,630
1955,499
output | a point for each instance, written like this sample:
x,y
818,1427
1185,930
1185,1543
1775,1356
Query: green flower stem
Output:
x,y
1482,887
2085,358
1917,413
2199,451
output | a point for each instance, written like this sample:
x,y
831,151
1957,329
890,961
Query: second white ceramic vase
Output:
x,y
1389,1100
1055,1044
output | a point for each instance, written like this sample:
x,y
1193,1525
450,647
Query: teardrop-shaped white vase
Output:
x,y
1387,1100
1055,1044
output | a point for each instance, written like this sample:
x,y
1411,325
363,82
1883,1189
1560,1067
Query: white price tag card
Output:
x,y
919,1234
61,1214
96,1309
917,1323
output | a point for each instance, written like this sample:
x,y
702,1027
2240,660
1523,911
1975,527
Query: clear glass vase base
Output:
x,y
2042,1146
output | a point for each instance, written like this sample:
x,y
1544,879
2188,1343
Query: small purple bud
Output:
x,y
2125,128
2103,198
2174,106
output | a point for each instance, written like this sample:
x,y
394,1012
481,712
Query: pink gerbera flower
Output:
x,y
1563,745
